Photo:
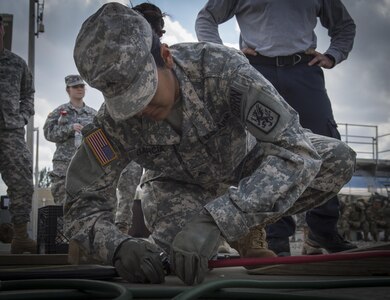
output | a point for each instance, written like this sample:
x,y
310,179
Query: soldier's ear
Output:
x,y
167,56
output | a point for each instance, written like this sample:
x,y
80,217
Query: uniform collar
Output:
x,y
159,133
71,106
195,112
197,120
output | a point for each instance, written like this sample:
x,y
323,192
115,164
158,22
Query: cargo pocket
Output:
x,y
332,126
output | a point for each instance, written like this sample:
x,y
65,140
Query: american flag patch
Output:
x,y
101,147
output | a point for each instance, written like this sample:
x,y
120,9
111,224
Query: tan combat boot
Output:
x,y
224,247
21,243
308,249
253,245
225,250
6,233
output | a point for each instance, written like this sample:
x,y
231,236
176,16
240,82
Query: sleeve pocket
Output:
x,y
83,170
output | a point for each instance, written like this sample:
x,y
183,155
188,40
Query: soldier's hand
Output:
x,y
193,247
138,260
77,127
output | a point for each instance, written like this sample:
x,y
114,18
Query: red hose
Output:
x,y
303,259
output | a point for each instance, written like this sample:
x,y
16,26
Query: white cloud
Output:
x,y
176,33
46,148
382,7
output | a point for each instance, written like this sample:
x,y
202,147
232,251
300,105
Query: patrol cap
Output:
x,y
72,80
112,54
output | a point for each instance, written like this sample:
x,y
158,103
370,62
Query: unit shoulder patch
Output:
x,y
263,117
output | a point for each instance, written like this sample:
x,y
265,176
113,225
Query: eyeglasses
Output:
x,y
78,86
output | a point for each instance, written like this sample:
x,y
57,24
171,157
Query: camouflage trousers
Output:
x,y
168,204
347,226
57,177
16,172
376,227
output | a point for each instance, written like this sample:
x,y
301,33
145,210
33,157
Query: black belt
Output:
x,y
280,61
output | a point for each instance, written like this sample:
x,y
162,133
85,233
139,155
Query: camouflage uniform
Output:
x,y
125,192
354,217
287,171
378,219
63,136
16,107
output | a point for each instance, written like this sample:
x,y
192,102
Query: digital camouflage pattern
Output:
x,y
354,217
72,80
16,91
63,135
140,84
378,217
16,107
125,193
288,170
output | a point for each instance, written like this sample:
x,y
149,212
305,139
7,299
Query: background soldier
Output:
x,y
63,127
377,218
354,218
16,107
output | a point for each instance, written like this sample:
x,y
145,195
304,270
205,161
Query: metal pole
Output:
x,y
376,144
35,203
31,65
30,124
37,158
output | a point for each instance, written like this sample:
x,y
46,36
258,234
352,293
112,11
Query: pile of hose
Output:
x,y
81,289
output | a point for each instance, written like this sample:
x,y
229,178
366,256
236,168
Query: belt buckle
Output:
x,y
278,63
292,60
296,59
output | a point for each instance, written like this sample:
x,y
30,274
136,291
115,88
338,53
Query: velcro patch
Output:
x,y
236,101
263,117
101,147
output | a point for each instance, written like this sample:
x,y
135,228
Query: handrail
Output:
x,y
369,144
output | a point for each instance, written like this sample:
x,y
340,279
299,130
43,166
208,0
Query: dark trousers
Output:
x,y
303,87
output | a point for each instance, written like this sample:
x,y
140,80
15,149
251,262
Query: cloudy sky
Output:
x,y
359,88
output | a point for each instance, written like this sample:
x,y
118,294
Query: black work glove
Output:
x,y
193,247
138,260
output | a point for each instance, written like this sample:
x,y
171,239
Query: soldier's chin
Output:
x,y
158,116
